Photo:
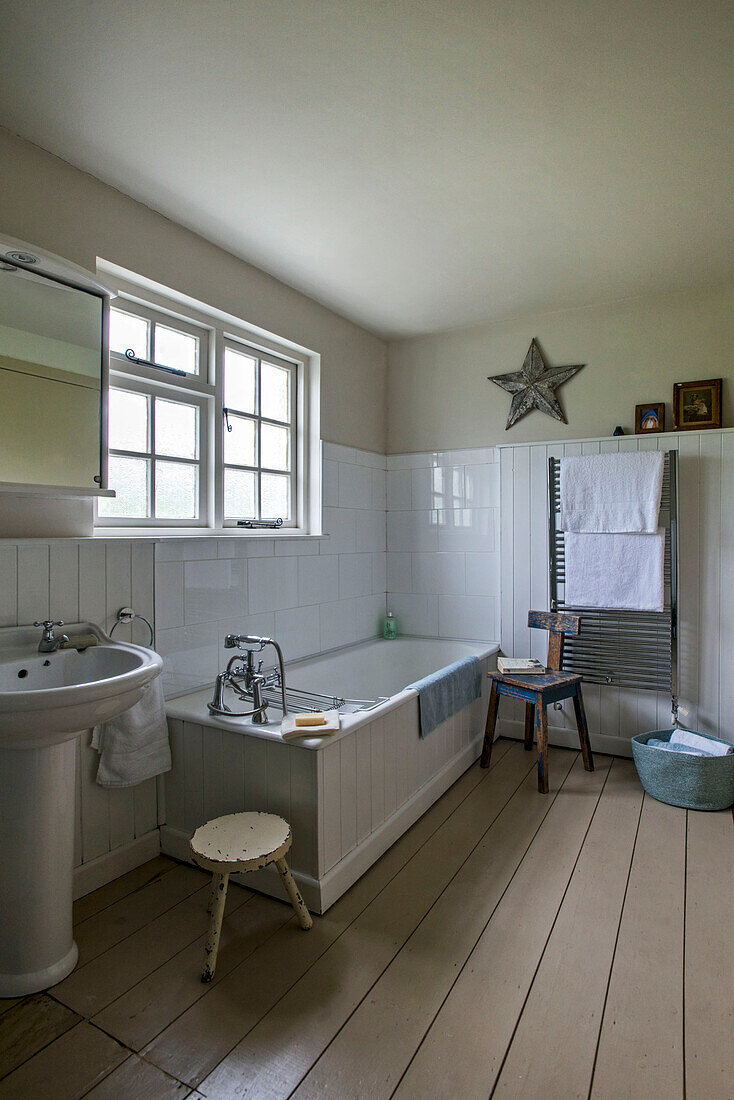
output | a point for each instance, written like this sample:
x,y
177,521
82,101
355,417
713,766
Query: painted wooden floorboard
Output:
x,y
393,1023
355,962
205,1034
30,1025
463,1049
709,971
552,1052
90,988
67,1068
641,1042
137,1079
119,888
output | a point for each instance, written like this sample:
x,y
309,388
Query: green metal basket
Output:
x,y
681,779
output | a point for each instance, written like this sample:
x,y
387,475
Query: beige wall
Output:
x,y
439,396
54,206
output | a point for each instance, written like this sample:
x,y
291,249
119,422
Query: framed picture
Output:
x,y
650,417
697,404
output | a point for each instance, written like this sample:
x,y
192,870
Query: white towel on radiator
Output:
x,y
609,493
621,571
134,746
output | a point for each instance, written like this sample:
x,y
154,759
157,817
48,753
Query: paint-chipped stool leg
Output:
x,y
541,729
304,917
489,728
212,895
218,899
529,723
582,727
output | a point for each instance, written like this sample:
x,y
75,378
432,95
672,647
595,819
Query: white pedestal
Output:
x,y
37,946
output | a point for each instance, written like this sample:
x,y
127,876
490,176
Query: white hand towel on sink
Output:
x,y
623,571
134,746
611,493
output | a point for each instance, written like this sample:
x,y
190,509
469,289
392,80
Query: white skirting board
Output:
x,y
567,738
319,895
98,872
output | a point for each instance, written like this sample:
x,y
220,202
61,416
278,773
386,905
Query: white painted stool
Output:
x,y
236,843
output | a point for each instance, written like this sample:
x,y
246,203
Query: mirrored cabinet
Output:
x,y
53,375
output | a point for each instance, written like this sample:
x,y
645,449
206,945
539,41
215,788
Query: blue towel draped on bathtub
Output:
x,y
447,691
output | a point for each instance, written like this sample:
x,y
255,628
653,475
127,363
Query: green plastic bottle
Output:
x,y
389,627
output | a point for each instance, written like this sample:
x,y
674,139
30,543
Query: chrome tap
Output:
x,y
49,642
255,680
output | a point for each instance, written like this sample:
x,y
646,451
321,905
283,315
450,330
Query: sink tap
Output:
x,y
50,642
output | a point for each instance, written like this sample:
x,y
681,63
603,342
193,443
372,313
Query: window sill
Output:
x,y
153,534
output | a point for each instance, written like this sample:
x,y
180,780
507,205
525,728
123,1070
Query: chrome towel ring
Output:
x,y
125,616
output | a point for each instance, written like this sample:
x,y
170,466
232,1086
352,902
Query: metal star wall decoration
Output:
x,y
534,386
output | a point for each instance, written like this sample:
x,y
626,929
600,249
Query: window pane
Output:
x,y
176,490
128,421
275,496
274,392
176,429
239,494
274,447
129,477
176,349
127,331
239,444
239,381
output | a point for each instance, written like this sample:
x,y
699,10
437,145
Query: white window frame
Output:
x,y
206,389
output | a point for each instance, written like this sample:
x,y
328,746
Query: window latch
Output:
x,y
253,523
226,419
130,354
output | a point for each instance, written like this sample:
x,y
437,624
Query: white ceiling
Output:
x,y
416,165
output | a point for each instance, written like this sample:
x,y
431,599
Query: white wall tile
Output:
x,y
190,653
370,530
338,453
472,617
379,572
398,484
467,529
412,460
415,614
272,583
339,525
338,624
318,579
213,589
483,574
261,625
355,575
369,613
330,484
482,486
169,594
173,549
355,486
298,632
439,573
438,487
399,572
379,489
296,548
413,531
370,458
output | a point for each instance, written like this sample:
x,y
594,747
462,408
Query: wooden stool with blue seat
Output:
x,y
540,689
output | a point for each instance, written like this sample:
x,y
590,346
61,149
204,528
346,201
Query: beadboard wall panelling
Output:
x,y
311,594
443,572
80,581
706,599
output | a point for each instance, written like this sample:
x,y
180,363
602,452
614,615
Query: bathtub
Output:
x,y
348,797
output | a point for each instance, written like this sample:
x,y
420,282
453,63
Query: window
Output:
x,y
203,426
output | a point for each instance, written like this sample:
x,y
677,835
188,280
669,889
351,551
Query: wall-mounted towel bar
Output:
x,y
635,649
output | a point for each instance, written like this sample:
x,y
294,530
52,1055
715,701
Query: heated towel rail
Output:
x,y
635,649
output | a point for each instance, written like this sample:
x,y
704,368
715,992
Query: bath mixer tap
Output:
x,y
50,642
255,680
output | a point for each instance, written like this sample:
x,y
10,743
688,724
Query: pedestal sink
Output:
x,y
46,699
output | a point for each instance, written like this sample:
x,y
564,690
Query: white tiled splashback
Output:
x,y
443,572
310,594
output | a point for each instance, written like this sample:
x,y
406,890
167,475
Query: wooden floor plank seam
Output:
x,y
685,901
550,933
135,1054
531,766
484,928
134,890
614,952
427,839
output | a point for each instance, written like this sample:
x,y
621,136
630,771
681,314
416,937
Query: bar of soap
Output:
x,y
316,719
